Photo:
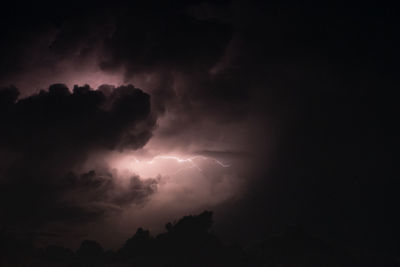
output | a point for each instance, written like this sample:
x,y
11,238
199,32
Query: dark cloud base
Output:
x,y
82,119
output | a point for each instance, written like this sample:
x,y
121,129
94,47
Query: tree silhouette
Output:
x,y
190,242
90,251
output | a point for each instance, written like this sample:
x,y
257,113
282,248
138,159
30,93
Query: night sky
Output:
x,y
273,115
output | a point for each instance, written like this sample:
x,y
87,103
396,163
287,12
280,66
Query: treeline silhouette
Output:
x,y
189,242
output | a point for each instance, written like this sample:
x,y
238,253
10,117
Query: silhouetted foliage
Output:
x,y
90,251
58,253
137,247
190,242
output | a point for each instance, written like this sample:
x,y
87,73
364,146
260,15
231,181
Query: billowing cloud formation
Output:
x,y
58,119
46,136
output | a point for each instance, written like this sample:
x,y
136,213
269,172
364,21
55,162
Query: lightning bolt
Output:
x,y
190,160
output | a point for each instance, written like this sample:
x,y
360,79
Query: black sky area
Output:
x,y
313,84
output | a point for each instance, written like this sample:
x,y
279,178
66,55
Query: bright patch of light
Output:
x,y
166,164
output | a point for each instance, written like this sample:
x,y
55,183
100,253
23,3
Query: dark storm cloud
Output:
x,y
164,40
177,43
83,120
173,46
47,135
132,38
